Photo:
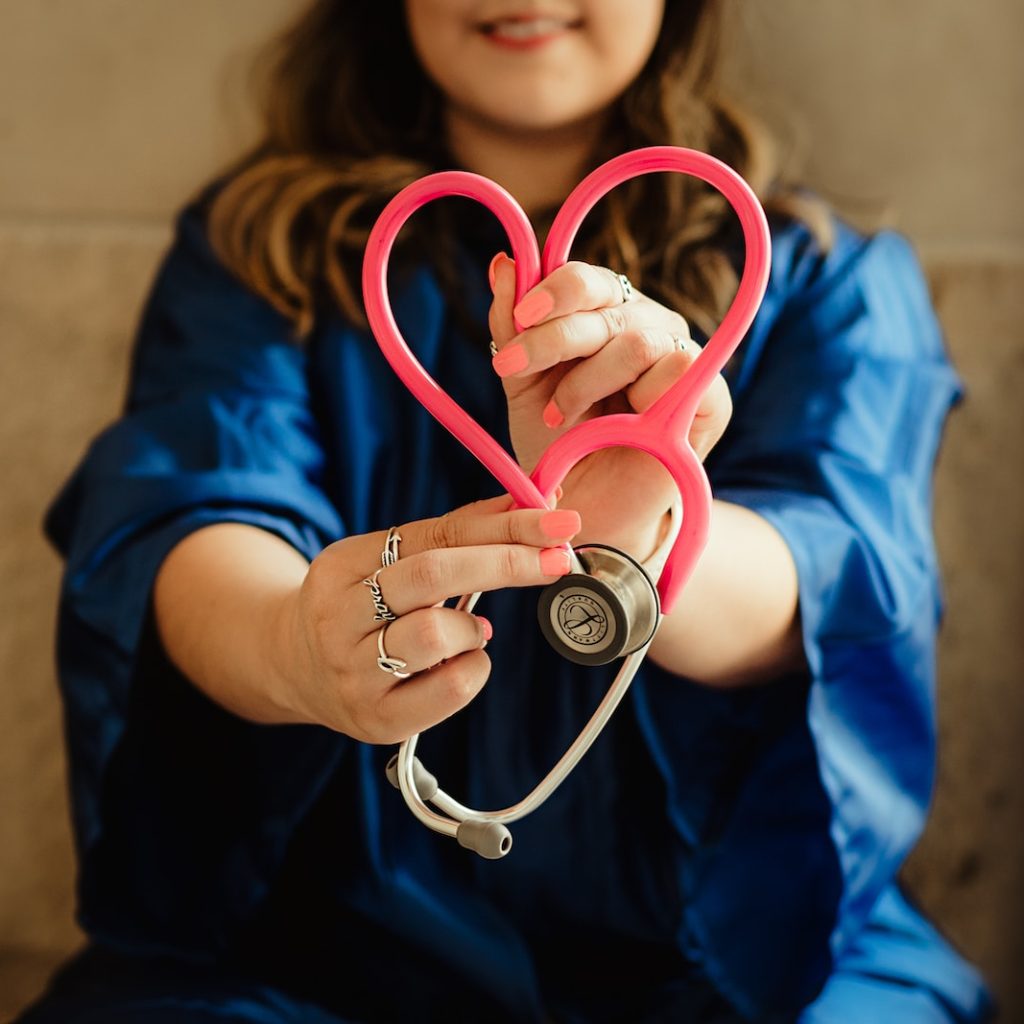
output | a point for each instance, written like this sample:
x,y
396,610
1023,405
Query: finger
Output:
x,y
662,376
713,411
426,637
582,335
537,528
479,523
570,288
485,506
433,576
624,360
499,318
500,503
414,705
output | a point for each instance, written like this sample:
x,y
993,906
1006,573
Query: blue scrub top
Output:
x,y
739,842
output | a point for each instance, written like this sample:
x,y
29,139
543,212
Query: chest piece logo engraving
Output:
x,y
581,616
582,619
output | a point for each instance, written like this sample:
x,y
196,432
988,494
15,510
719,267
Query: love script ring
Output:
x,y
382,612
393,666
626,285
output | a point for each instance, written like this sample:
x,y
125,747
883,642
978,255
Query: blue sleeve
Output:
x,y
819,792
218,427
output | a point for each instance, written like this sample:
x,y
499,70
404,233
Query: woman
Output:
x,y
727,850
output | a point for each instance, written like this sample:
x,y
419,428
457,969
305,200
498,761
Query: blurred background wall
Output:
x,y
903,113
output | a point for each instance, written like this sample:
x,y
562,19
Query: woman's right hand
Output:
x,y
332,649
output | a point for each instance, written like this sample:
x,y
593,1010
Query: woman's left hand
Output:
x,y
584,352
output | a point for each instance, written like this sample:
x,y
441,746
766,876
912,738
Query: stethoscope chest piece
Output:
x,y
605,612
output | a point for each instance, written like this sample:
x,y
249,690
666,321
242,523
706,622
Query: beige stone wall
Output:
x,y
904,109
113,111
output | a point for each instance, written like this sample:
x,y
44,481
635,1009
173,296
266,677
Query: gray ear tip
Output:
x,y
490,839
426,784
392,771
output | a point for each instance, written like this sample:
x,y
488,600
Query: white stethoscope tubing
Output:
x,y
457,813
453,814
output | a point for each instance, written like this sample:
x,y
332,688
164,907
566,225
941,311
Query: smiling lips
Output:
x,y
521,32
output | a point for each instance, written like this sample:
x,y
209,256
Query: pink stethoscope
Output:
x,y
608,607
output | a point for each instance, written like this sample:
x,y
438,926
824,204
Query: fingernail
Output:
x,y
494,266
559,493
563,523
554,561
511,359
534,308
486,627
552,415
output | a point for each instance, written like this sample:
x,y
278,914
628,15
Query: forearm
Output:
x,y
221,599
736,621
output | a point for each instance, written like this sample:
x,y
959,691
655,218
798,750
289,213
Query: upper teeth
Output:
x,y
527,29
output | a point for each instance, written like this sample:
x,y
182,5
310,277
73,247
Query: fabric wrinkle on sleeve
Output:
x,y
217,428
833,441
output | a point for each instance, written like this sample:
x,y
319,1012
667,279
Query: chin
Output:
x,y
537,117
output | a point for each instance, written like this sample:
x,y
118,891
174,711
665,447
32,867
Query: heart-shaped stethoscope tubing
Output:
x,y
661,431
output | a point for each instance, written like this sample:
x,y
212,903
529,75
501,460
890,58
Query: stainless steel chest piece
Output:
x,y
605,612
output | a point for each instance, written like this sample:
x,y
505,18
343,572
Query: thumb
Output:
x,y
713,414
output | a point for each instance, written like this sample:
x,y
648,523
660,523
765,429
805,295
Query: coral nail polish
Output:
x,y
511,359
494,266
563,523
534,308
552,416
554,561
487,628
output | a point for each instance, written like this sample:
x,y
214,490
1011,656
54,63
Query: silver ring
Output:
x,y
626,286
383,612
390,553
393,666
679,342
493,348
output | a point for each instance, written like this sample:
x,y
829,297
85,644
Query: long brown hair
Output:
x,y
350,118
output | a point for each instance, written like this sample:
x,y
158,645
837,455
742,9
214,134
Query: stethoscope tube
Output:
x,y
485,832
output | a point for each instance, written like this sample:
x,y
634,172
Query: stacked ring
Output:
x,y
390,553
393,666
382,613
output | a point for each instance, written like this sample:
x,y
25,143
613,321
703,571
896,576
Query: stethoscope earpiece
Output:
x,y
426,784
607,611
490,839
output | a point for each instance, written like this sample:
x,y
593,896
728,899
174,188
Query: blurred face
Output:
x,y
529,65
